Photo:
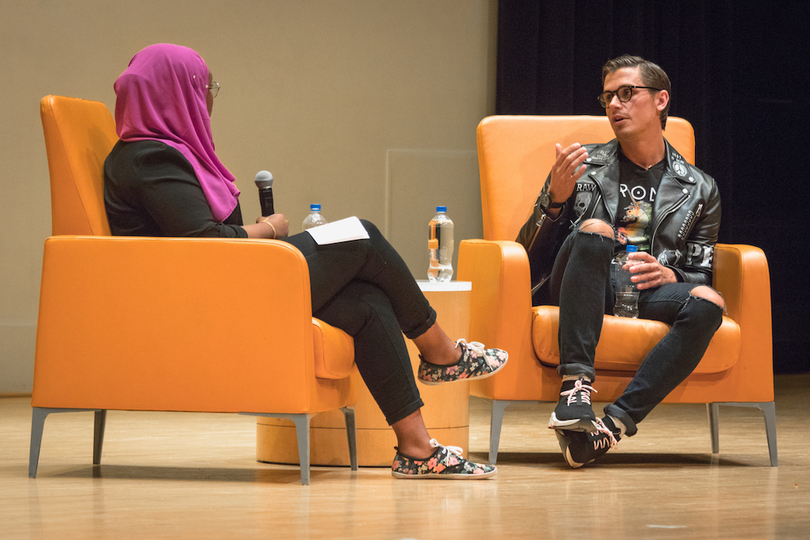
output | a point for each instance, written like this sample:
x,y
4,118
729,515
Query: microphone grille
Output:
x,y
264,179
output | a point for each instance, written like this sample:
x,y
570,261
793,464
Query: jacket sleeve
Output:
x,y
697,267
540,236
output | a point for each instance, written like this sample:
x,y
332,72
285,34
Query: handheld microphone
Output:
x,y
264,181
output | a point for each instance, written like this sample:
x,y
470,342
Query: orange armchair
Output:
x,y
170,324
515,154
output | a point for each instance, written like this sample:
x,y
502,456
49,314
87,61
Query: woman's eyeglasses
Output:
x,y
213,88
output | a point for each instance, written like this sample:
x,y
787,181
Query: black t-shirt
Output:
x,y
150,189
637,191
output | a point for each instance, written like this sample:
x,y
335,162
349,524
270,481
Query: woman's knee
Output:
x,y
597,226
370,228
707,293
375,237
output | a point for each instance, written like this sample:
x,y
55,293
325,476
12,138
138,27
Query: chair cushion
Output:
x,y
625,343
334,351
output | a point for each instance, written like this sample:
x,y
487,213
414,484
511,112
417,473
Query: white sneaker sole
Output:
x,y
444,476
578,424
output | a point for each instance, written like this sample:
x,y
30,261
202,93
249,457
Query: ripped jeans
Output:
x,y
580,285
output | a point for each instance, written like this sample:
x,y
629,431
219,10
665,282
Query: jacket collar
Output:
x,y
606,154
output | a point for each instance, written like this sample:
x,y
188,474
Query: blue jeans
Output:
x,y
365,288
580,285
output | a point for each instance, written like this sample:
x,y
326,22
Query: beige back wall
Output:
x,y
368,107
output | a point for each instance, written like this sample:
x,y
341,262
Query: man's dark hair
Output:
x,y
651,75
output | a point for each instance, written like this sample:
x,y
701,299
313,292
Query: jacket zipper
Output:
x,y
670,210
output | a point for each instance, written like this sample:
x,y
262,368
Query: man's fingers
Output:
x,y
573,148
567,163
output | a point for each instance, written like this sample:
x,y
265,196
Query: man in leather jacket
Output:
x,y
635,190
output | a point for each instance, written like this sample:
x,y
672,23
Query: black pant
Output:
x,y
364,288
580,285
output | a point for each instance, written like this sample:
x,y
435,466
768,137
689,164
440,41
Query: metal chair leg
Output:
x,y
351,432
714,425
495,424
302,433
768,409
37,425
769,412
38,416
301,422
98,435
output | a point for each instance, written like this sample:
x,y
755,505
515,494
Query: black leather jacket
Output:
x,y
685,217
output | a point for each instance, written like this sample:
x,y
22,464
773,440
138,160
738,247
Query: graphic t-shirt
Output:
x,y
637,190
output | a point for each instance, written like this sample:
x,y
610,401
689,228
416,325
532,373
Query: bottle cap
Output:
x,y
631,248
441,209
314,207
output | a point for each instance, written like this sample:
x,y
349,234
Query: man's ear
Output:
x,y
661,100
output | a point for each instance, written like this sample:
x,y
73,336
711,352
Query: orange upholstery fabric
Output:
x,y
146,324
625,343
79,134
334,351
77,140
515,155
169,324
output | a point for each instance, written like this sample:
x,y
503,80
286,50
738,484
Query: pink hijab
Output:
x,y
161,97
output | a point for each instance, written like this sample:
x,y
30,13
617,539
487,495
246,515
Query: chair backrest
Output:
x,y
515,154
78,136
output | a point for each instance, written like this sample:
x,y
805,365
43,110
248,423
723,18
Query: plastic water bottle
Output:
x,y
314,218
626,304
440,246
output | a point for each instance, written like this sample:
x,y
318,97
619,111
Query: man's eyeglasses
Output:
x,y
214,88
624,93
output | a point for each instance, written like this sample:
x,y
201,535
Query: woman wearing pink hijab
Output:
x,y
163,178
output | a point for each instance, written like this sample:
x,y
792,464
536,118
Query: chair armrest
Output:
x,y
741,276
501,316
501,291
174,324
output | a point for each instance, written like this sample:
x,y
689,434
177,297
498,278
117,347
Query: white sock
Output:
x,y
618,423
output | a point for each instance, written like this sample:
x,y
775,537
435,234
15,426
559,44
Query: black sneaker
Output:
x,y
579,448
573,411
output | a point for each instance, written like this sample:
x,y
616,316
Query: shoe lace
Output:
x,y
602,428
480,349
457,450
474,346
579,387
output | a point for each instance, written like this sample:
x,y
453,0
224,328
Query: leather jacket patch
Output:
x,y
584,195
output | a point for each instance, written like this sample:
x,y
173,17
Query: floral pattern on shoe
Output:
x,y
476,363
445,462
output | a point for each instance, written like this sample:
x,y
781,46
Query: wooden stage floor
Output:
x,y
175,475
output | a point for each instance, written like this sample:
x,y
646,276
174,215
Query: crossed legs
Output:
x,y
580,285
364,288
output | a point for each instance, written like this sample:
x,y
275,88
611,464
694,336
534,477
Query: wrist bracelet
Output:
x,y
271,226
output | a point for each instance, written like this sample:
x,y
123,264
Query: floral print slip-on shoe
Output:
x,y
446,462
476,363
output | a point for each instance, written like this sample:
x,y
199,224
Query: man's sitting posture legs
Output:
x,y
694,312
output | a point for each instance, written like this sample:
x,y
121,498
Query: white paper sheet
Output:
x,y
343,230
